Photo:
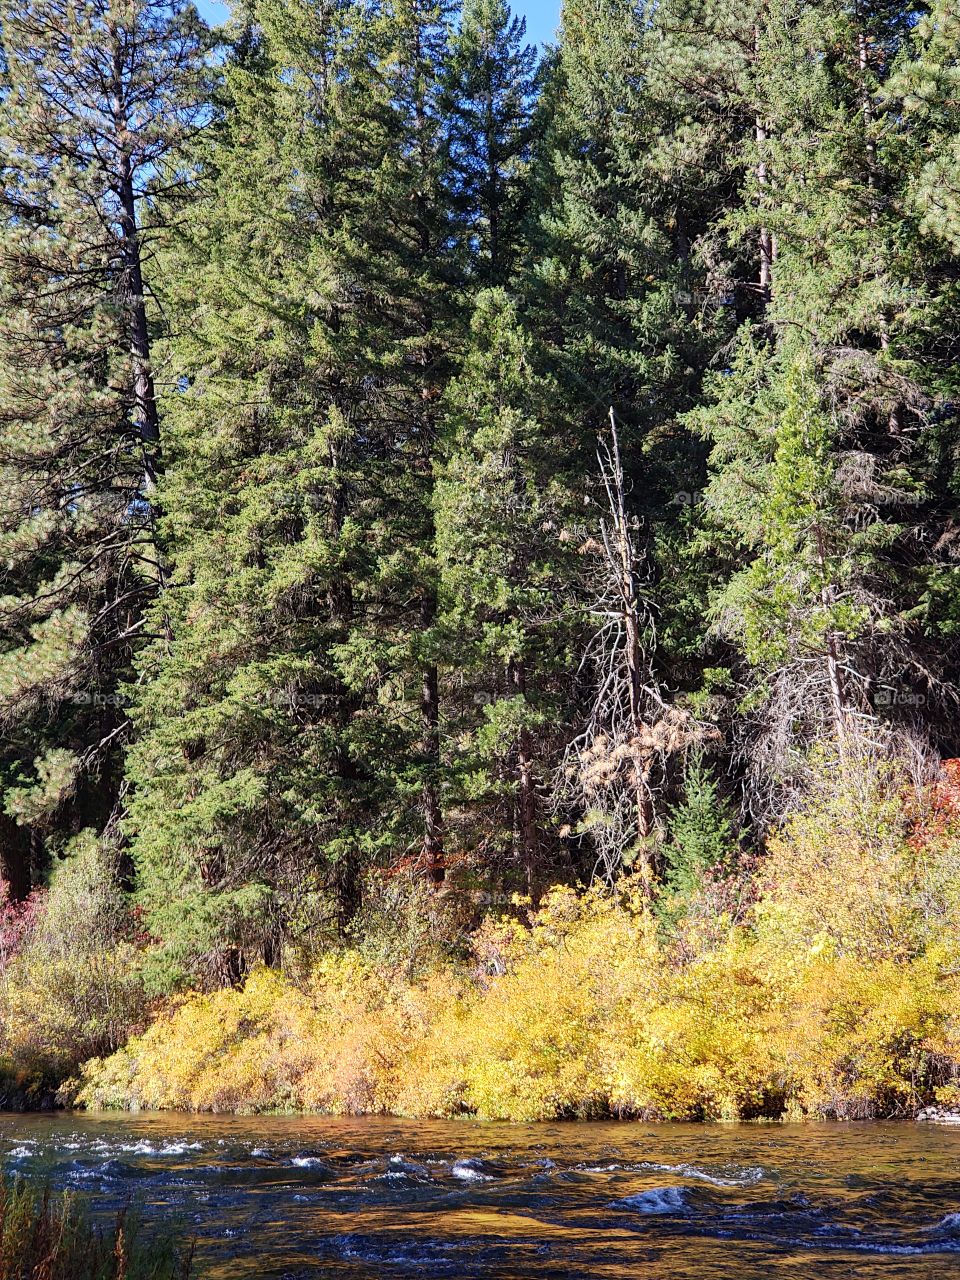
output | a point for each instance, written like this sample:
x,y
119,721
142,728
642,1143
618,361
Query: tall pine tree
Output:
x,y
97,101
505,544
827,479
489,88
290,727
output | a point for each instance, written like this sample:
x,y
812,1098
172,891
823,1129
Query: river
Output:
x,y
310,1197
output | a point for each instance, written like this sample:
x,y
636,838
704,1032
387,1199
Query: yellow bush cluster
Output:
x,y
589,1014
835,994
347,1041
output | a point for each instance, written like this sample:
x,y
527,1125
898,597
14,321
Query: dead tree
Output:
x,y
612,771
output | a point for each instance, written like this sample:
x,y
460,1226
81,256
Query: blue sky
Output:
x,y
541,15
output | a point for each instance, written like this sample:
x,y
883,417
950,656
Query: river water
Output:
x,y
305,1197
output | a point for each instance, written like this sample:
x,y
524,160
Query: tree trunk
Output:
x,y
527,833
766,238
430,746
16,858
145,400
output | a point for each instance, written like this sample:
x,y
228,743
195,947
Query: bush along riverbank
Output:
x,y
587,1017
824,981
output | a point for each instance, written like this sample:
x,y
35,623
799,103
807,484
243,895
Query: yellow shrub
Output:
x,y
585,1014
538,1042
865,1039
349,1043
704,1051
374,1047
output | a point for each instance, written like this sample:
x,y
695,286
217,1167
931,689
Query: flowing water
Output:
x,y
305,1197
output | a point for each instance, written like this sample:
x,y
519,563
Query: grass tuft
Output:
x,y
52,1237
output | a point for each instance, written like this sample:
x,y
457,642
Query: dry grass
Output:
x,y
48,1237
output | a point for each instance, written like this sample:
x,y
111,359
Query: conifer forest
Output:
x,y
479,553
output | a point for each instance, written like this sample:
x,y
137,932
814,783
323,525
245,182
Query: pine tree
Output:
x,y
290,727
920,103
700,830
97,100
630,183
489,87
398,249
923,88
250,787
631,291
504,543
823,460
523,429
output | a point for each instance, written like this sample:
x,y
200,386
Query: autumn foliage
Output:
x,y
835,995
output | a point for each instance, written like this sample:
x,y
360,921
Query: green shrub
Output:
x,y
71,987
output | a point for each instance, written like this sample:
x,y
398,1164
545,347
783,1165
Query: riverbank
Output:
x,y
822,981
586,1013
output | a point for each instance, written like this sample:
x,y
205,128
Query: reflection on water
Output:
x,y
299,1197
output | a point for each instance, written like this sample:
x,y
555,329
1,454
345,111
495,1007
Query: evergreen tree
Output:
x,y
290,727
631,292
920,106
407,262
503,510
700,830
629,185
97,100
923,89
488,93
249,783
822,456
